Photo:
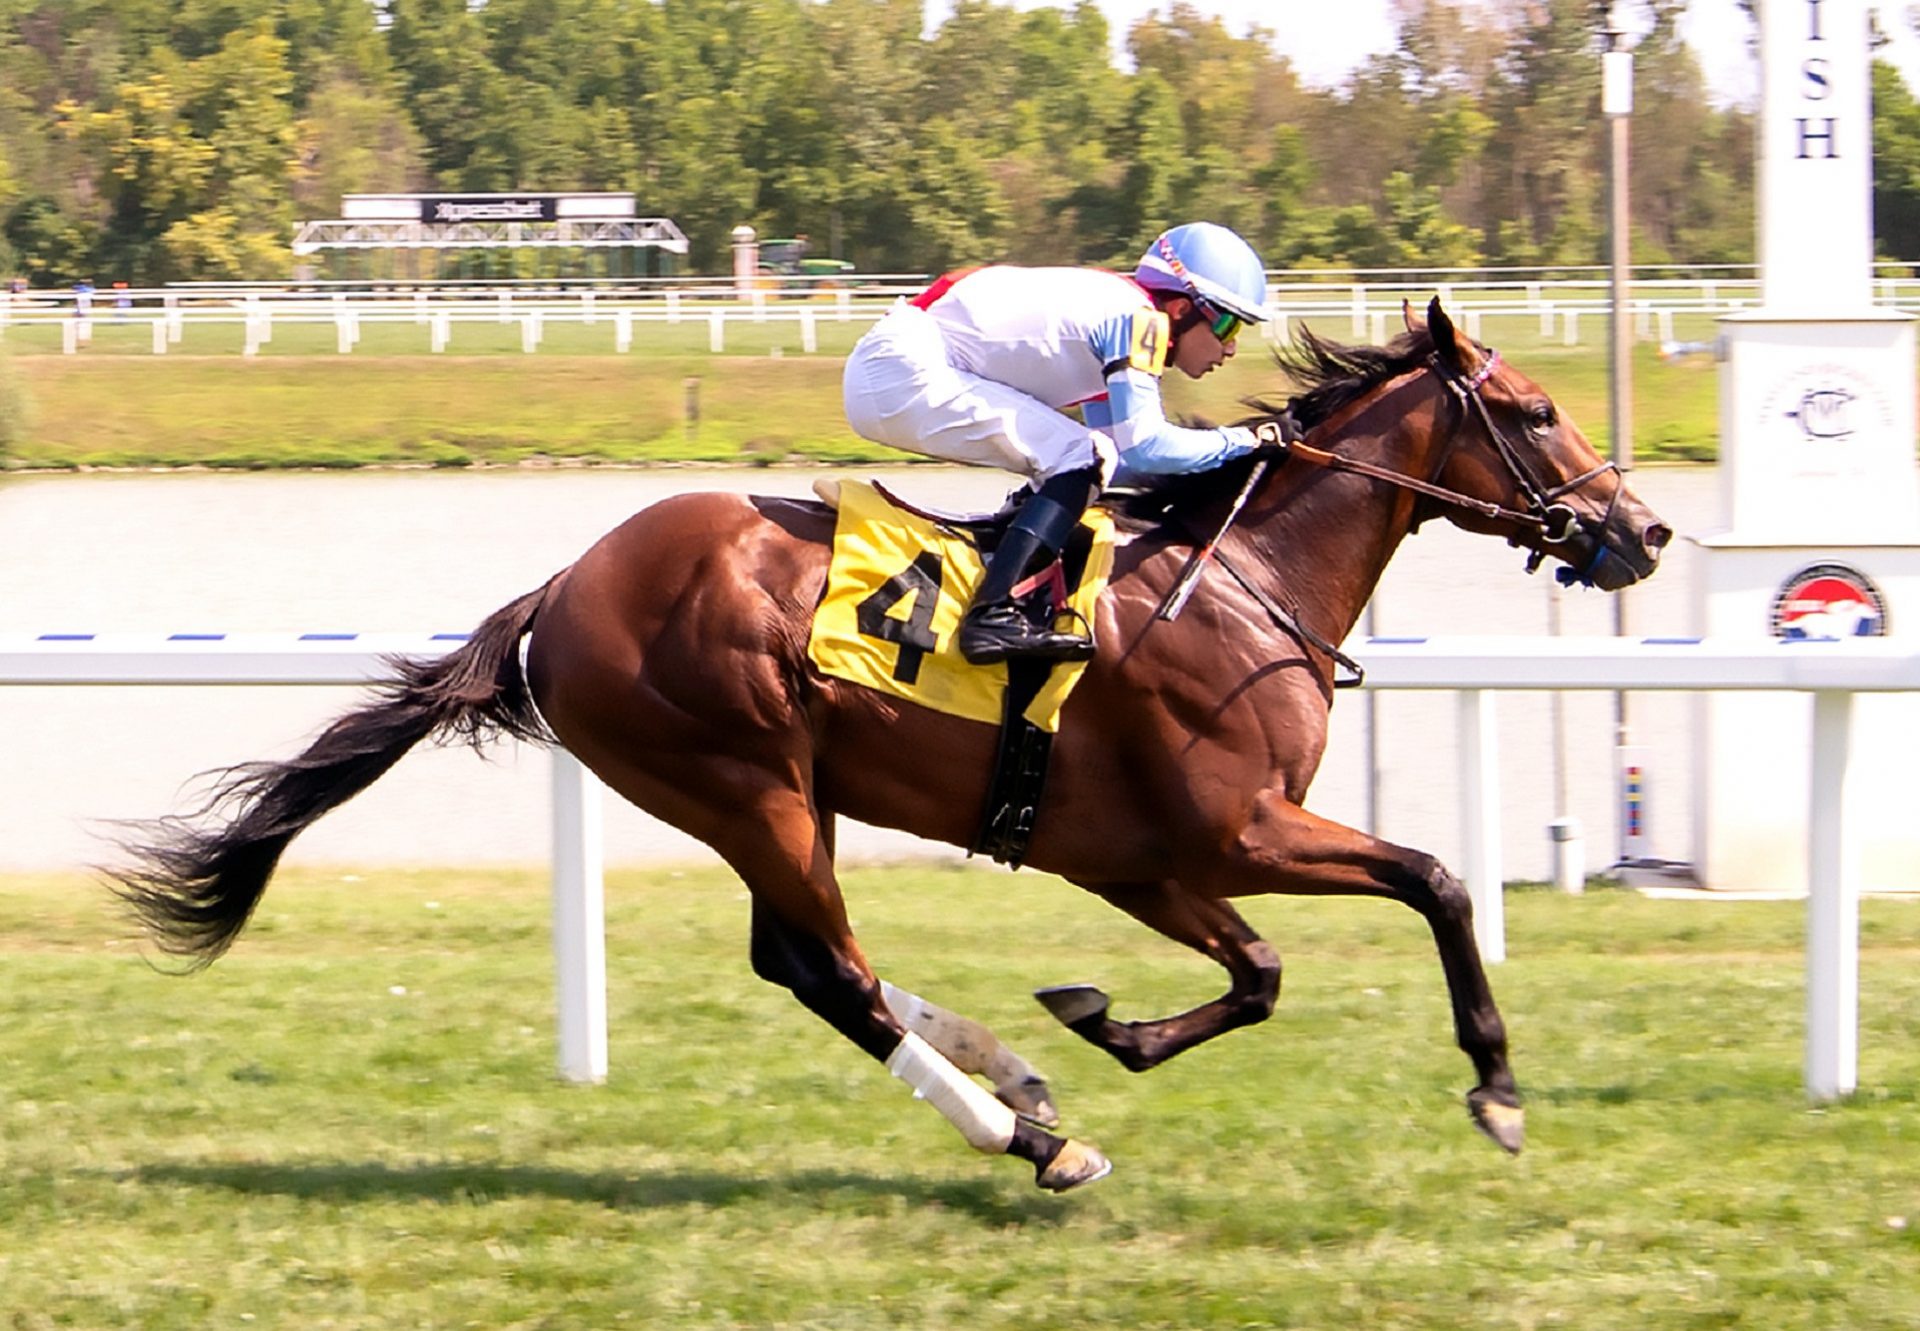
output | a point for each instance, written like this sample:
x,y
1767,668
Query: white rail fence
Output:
x,y
1475,668
1368,306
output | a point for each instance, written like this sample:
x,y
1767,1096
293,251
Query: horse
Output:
x,y
671,659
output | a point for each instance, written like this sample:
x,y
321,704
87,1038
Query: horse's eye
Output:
x,y
1540,417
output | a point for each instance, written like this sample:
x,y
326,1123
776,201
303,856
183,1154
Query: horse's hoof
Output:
x,y
1506,1124
1030,1099
1074,1005
1075,1164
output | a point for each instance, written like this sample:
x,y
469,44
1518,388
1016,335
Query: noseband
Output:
x,y
1556,521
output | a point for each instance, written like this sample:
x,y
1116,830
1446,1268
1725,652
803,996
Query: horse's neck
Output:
x,y
1322,538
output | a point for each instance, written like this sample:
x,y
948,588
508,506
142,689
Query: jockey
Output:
x,y
983,366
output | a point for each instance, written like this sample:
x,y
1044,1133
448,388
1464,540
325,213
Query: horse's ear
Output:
x,y
1406,315
1455,352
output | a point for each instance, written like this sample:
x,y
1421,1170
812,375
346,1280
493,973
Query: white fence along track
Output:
x,y
1475,668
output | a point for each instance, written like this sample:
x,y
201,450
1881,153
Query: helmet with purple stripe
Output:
x,y
1210,263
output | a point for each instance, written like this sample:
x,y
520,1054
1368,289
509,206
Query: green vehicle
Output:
x,y
788,258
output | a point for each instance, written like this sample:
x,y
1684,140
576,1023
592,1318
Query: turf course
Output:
x,y
352,1122
299,403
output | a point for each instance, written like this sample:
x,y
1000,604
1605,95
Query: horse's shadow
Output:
x,y
480,1184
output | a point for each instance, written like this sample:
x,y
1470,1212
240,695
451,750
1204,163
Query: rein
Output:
x,y
1557,522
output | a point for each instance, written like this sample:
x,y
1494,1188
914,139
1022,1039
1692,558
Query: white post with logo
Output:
x,y
1820,500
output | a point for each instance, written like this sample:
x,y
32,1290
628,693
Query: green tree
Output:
x,y
1896,165
354,139
439,50
1543,153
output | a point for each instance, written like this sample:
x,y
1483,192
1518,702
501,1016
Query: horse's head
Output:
x,y
1542,485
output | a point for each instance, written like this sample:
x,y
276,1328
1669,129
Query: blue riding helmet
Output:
x,y
1212,263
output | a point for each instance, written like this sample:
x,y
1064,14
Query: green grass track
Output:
x,y
352,1122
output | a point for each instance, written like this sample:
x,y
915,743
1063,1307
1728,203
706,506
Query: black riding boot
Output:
x,y
994,628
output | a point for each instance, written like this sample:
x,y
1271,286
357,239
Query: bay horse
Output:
x,y
671,659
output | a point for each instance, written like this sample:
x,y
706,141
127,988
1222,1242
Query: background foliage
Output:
x,y
154,140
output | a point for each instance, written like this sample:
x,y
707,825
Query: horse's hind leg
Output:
x,y
831,978
975,1050
801,940
965,1043
1208,926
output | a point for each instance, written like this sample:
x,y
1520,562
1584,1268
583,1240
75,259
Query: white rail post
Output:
x,y
579,921
1833,907
342,334
1359,310
808,341
716,332
1570,331
1480,821
623,331
588,314
440,330
69,336
673,306
160,334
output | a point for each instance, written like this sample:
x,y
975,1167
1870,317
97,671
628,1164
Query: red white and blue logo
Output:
x,y
1829,601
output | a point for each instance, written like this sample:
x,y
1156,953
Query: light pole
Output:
x,y
1616,103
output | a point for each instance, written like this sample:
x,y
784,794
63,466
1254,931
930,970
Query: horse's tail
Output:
x,y
194,880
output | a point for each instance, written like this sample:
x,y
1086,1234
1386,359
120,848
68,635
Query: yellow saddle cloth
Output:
x,y
896,589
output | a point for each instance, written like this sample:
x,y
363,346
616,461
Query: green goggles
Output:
x,y
1226,327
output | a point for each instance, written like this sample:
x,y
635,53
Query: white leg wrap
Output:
x,y
967,1044
983,1121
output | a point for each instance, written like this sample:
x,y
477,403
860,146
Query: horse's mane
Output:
x,y
1329,375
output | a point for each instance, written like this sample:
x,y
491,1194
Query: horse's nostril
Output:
x,y
1655,538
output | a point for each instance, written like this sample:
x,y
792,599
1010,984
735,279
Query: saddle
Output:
x,y
891,555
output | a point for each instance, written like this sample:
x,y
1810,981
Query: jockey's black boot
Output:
x,y
994,628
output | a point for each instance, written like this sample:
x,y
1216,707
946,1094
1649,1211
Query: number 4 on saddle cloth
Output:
x,y
897,586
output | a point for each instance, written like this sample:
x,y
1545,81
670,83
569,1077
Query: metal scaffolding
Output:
x,y
564,233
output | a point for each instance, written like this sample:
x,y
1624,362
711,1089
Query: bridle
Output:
x,y
1558,522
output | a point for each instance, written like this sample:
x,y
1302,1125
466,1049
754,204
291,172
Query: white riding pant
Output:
x,y
901,391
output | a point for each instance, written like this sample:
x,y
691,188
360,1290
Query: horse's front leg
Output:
x,y
1208,926
1283,848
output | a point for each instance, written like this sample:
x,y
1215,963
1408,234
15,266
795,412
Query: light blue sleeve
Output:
x,y
1131,412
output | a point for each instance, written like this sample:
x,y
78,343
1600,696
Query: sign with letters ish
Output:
x,y
1816,166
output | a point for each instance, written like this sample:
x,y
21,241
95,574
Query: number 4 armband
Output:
x,y
1141,344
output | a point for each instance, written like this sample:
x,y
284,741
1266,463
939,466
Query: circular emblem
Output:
x,y
1829,601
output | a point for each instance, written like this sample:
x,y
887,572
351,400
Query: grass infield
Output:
x,y
301,404
352,1122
